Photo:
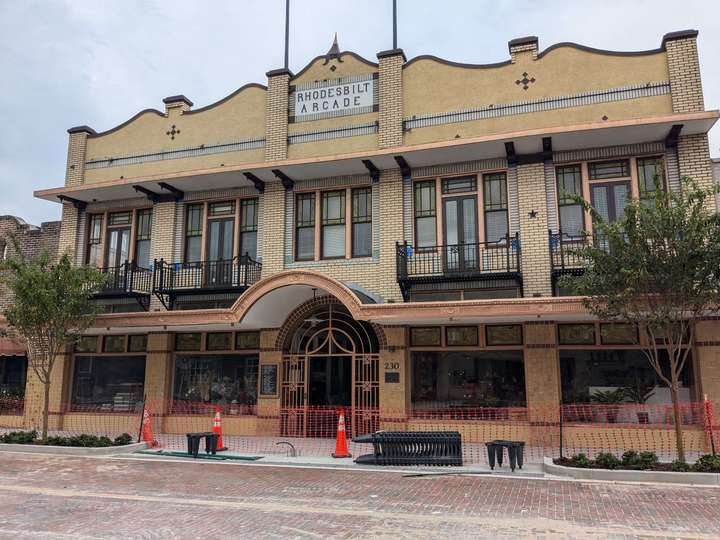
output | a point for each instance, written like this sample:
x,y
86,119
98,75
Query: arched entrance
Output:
x,y
330,362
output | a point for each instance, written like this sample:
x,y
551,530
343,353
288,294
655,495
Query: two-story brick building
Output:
x,y
384,236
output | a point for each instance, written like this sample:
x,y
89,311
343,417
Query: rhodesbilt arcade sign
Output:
x,y
334,99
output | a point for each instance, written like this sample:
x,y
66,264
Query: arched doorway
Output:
x,y
330,362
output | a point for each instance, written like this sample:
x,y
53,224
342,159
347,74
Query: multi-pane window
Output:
x,y
143,235
193,232
425,214
650,171
603,170
305,227
459,185
496,206
332,222
94,252
361,222
248,227
569,186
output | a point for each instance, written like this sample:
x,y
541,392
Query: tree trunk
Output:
x,y
678,421
46,411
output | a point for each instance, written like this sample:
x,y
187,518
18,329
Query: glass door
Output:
x,y
118,253
220,252
460,223
610,200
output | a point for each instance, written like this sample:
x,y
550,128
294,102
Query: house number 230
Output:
x,y
392,365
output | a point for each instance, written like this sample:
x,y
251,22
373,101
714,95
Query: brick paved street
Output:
x,y
69,497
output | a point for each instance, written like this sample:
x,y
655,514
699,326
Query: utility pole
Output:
x,y
287,33
394,24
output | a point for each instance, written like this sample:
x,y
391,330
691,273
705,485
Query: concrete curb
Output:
x,y
72,450
703,479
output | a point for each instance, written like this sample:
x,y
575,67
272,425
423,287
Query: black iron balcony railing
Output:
x,y
564,256
128,278
235,274
458,262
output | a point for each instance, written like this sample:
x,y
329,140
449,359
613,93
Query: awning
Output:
x,y
528,142
11,347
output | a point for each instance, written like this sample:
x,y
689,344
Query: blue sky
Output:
x,y
98,62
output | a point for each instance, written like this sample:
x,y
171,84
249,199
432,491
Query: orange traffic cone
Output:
x,y
341,446
217,428
146,432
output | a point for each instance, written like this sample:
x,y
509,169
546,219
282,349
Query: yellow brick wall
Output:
x,y
68,230
276,119
534,244
684,69
694,161
273,230
542,372
158,370
35,393
390,100
75,168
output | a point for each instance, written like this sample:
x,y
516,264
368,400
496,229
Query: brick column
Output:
x,y
163,240
391,231
69,224
706,355
59,394
693,153
534,242
390,97
684,70
394,394
276,122
77,147
158,371
273,229
268,407
523,47
542,372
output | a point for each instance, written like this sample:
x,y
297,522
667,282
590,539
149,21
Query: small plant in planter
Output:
x,y
606,460
640,393
580,460
612,400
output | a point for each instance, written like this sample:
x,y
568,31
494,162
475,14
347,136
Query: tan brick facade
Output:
x,y
390,100
276,127
535,249
684,69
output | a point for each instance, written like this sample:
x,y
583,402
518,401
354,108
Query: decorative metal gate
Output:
x,y
330,332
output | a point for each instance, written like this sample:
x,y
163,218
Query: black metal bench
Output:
x,y
193,440
515,453
412,448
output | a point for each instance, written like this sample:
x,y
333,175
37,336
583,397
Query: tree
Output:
x,y
657,267
52,307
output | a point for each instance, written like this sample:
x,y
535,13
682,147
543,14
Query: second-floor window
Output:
x,y
570,212
329,237
221,230
650,169
115,238
496,206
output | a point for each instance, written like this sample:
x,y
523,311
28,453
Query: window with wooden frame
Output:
x,y
94,247
221,230
495,205
362,222
193,232
143,236
425,214
649,171
570,212
610,187
332,223
305,227
321,224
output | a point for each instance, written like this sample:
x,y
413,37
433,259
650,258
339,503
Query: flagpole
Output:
x,y
287,32
394,24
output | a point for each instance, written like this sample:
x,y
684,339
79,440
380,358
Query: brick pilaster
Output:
x,y
163,240
273,229
158,371
542,372
69,230
391,231
390,98
534,243
276,122
523,46
35,394
77,147
684,70
694,161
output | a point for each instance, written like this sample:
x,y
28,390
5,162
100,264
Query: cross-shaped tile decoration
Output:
x,y
525,81
172,132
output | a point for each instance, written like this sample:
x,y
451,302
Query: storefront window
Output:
x,y
229,381
425,337
13,370
108,383
585,374
456,380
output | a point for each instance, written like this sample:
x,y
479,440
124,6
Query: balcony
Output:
x,y
564,257
493,265
127,281
231,278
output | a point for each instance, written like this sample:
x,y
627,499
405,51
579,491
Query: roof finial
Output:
x,y
334,51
